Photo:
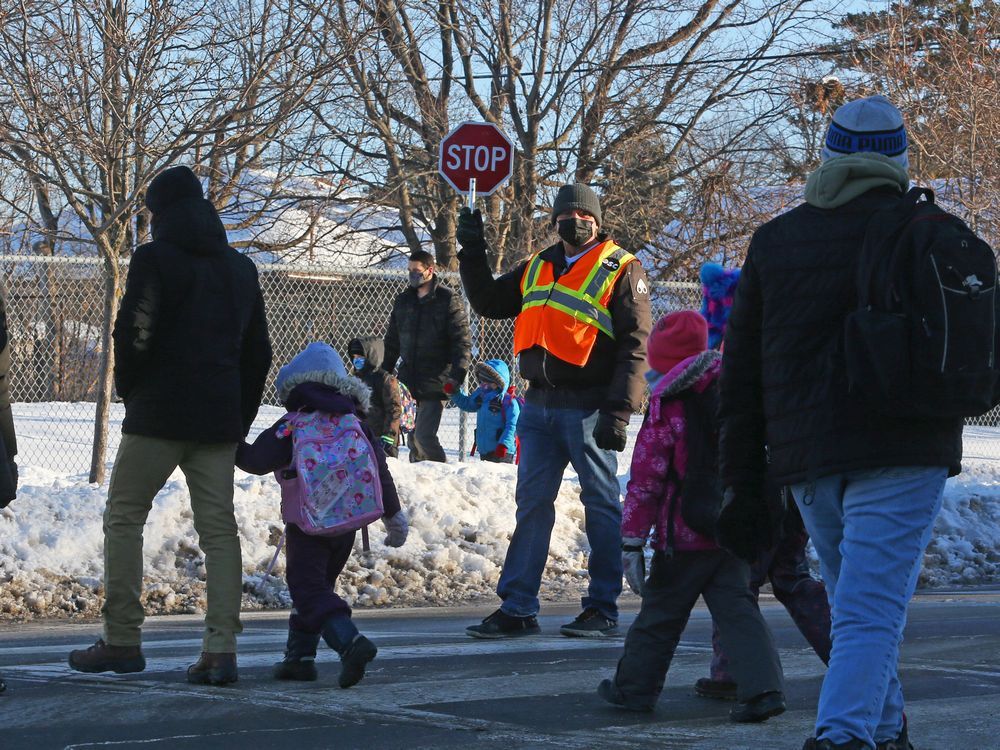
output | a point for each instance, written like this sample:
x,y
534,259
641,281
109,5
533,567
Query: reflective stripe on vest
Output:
x,y
585,301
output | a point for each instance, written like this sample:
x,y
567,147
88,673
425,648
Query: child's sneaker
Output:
x,y
502,625
354,660
590,624
610,692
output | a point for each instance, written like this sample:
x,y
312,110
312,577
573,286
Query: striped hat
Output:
x,y
869,125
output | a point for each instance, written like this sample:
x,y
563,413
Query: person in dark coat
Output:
x,y
8,440
386,408
429,329
869,485
316,381
191,357
581,309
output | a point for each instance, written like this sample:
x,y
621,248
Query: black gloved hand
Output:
x,y
744,524
470,233
609,432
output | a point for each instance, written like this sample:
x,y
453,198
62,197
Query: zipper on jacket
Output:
x,y
944,310
545,372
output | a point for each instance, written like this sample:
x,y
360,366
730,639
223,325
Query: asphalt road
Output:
x,y
433,687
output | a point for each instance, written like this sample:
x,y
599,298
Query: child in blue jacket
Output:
x,y
496,412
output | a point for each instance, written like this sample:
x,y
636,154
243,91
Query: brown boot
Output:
x,y
213,669
103,657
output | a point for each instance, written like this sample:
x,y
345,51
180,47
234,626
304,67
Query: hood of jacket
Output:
x,y
344,385
692,372
319,397
191,224
842,179
496,368
372,349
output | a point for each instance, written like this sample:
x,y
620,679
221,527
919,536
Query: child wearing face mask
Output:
x,y
386,408
496,412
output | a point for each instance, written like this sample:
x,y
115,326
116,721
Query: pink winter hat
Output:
x,y
675,337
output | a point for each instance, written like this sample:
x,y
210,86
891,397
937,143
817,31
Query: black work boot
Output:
x,y
759,708
501,625
103,657
813,744
213,669
300,657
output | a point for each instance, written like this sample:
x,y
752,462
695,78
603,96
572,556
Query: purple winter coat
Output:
x,y
660,445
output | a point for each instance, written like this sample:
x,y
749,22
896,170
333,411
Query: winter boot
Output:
x,y
719,689
611,693
813,744
213,669
300,657
103,657
355,650
501,625
759,708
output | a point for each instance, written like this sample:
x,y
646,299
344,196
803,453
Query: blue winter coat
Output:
x,y
496,413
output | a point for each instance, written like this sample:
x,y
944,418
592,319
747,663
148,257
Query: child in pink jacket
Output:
x,y
673,485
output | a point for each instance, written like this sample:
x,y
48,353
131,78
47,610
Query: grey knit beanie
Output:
x,y
577,196
869,125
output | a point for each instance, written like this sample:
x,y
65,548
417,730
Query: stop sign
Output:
x,y
476,151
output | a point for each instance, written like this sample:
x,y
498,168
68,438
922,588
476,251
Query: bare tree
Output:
x,y
96,96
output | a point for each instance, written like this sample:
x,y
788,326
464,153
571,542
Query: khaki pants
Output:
x,y
142,467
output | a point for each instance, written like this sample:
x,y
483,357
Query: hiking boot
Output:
x,y
300,657
590,624
354,660
213,669
813,744
759,708
718,689
103,657
611,693
502,625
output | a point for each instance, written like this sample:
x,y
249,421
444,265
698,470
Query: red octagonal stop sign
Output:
x,y
476,151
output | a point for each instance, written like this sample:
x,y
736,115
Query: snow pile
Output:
x,y
462,516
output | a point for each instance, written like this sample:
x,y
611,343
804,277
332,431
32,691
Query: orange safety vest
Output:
x,y
564,317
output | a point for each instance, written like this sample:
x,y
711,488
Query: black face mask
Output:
x,y
576,232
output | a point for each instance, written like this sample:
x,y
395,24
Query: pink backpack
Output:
x,y
332,485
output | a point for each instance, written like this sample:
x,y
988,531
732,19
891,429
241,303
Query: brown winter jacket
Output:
x,y
386,409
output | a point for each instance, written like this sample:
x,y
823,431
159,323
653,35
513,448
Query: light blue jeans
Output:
x,y
870,529
551,439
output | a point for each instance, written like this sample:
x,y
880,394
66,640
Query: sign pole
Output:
x,y
472,193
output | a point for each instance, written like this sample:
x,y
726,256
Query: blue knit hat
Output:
x,y
869,125
317,363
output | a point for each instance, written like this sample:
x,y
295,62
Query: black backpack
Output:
x,y
701,485
923,341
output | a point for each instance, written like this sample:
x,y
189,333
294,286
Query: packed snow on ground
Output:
x,y
461,515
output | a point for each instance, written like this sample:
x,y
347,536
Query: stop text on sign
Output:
x,y
476,157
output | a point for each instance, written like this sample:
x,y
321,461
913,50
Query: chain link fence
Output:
x,y
54,317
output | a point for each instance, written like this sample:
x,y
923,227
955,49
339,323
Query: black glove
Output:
x,y
470,234
609,433
744,524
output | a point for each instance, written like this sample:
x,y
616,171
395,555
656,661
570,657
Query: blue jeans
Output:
x,y
551,439
870,529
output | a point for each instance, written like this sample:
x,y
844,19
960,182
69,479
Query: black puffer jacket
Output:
x,y
190,342
612,380
784,381
385,409
431,334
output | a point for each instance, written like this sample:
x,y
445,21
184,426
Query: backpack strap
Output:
x,y
881,240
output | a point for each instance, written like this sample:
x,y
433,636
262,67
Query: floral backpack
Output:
x,y
408,419
332,485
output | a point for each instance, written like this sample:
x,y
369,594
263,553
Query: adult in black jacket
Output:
x,y
575,412
385,409
868,485
8,440
191,357
429,329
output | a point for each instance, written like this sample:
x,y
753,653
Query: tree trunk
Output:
x,y
105,379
